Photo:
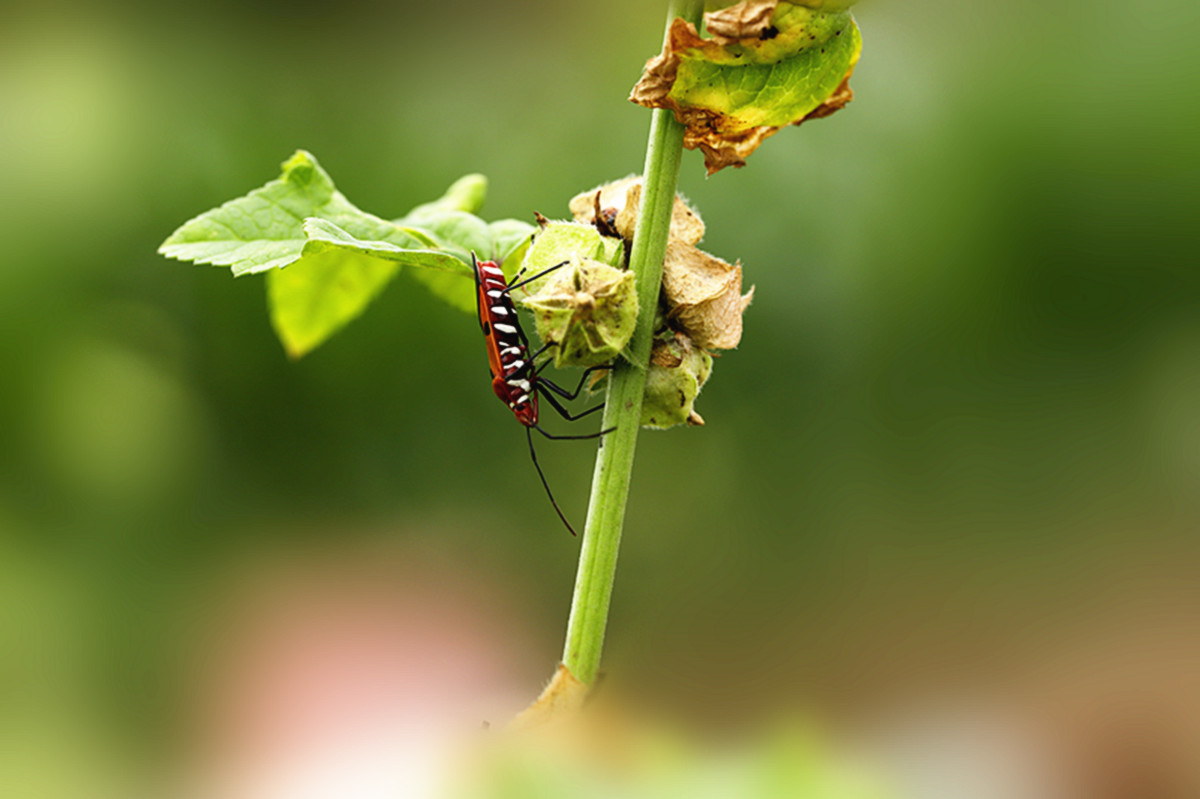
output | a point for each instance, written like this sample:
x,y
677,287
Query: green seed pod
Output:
x,y
677,372
556,242
588,308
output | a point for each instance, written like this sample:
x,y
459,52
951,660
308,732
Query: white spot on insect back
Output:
x,y
499,310
503,328
496,294
515,365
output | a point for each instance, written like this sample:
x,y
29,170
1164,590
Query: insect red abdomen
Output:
x,y
508,352
515,379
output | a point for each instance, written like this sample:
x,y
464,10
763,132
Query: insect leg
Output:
x,y
533,455
564,413
552,437
562,392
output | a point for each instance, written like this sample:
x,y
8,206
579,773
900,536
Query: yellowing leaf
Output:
x,y
767,64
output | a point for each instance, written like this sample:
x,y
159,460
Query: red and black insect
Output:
x,y
516,377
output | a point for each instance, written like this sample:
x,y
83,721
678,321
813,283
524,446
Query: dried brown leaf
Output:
x,y
704,296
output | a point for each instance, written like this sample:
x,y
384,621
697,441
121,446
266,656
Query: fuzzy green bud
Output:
x,y
588,309
678,370
555,242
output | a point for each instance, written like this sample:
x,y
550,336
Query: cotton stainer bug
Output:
x,y
515,377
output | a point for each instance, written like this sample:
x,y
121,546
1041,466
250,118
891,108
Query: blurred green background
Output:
x,y
958,450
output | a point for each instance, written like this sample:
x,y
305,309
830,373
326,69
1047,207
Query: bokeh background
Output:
x,y
948,495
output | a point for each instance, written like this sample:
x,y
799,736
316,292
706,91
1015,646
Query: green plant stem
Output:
x,y
623,404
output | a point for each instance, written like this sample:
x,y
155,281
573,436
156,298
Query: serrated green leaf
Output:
x,y
339,257
265,229
462,233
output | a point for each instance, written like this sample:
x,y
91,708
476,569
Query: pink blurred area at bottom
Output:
x,y
350,676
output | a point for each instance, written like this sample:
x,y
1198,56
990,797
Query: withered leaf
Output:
x,y
766,65
704,296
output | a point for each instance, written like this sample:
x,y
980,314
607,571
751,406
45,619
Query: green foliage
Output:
x,y
265,229
339,257
764,64
791,761
461,233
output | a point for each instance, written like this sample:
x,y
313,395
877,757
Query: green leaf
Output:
x,y
465,194
511,239
461,234
324,236
337,257
265,229
335,279
316,296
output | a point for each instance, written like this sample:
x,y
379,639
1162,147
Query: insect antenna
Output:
x,y
519,283
533,454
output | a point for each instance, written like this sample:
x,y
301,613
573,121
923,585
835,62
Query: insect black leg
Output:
x,y
584,437
533,455
562,392
564,413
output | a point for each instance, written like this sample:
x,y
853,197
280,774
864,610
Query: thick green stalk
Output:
x,y
623,405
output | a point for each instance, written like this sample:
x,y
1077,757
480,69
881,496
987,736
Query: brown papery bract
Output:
x,y
702,292
624,197
704,296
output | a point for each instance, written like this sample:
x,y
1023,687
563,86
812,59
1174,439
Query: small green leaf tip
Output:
x,y
465,194
301,166
765,65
